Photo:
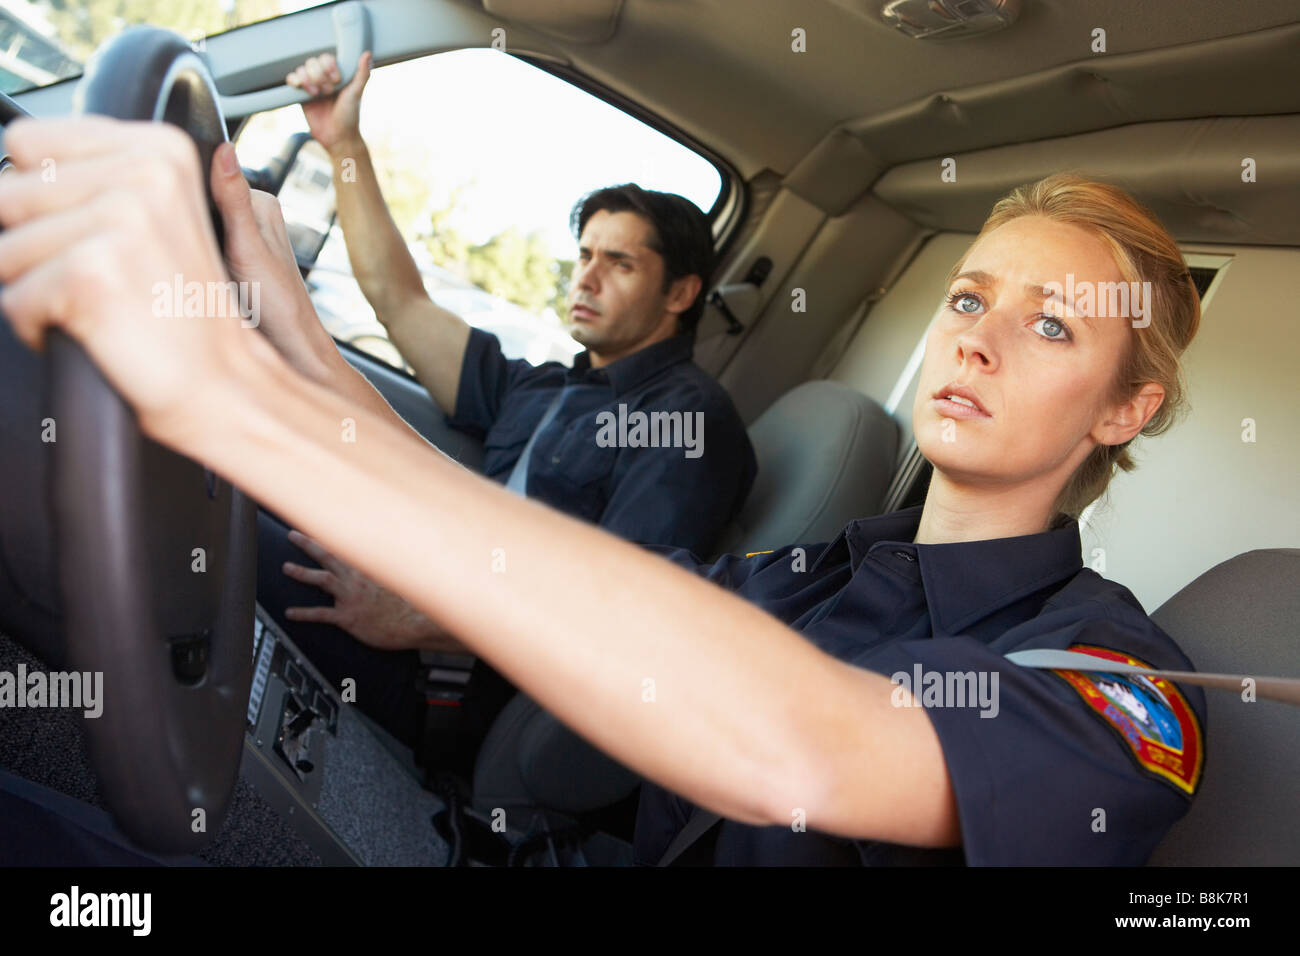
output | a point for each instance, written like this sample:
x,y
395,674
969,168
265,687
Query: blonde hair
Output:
x,y
1144,252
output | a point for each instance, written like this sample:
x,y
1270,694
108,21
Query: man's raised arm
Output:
x,y
432,339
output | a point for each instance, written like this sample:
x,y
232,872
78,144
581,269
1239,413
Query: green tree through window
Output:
x,y
82,25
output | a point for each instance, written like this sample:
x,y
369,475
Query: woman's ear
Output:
x,y
1121,423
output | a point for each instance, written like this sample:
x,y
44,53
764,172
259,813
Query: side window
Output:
x,y
481,156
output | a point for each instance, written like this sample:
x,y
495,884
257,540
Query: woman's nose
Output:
x,y
977,344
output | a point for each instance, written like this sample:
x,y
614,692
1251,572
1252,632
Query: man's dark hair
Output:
x,y
680,235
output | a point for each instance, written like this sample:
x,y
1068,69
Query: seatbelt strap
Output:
x,y
1284,689
700,823
518,480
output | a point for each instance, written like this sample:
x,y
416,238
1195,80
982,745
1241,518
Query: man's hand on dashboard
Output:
x,y
368,612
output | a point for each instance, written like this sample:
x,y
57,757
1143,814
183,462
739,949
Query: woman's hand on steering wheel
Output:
x,y
107,237
259,254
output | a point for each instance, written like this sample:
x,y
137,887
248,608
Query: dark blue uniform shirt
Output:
x,y
591,461
1071,768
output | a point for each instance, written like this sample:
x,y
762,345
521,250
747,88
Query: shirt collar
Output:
x,y
630,371
966,581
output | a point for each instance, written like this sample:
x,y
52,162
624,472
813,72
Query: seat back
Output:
x,y
530,759
1240,618
826,454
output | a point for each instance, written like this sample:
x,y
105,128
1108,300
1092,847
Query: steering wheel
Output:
x,y
156,556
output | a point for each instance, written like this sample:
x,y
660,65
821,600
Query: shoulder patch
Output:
x,y
1149,714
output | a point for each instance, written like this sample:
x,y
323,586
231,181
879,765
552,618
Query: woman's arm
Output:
x,y
680,680
258,254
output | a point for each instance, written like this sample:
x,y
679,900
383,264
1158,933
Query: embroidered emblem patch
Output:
x,y
1149,714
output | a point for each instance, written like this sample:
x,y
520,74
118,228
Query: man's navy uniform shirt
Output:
x,y
647,495
1050,779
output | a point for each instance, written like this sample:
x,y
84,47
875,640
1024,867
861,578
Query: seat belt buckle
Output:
x,y
443,690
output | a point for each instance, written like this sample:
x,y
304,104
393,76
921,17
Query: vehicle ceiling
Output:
x,y
864,98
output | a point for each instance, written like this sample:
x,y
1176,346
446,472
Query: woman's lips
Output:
x,y
951,409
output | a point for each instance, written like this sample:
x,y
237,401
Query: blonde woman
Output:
x,y
798,699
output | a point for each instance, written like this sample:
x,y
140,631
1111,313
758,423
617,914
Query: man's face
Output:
x,y
1040,368
617,301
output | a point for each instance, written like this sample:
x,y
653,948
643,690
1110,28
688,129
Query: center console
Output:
x,y
350,791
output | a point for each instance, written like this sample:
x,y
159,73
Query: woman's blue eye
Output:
x,y
1054,329
957,298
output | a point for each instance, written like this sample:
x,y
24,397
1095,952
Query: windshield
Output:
x,y
45,41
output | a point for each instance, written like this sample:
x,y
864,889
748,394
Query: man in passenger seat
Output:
x,y
635,437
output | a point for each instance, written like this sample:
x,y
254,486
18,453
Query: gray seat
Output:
x,y
825,455
1240,618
